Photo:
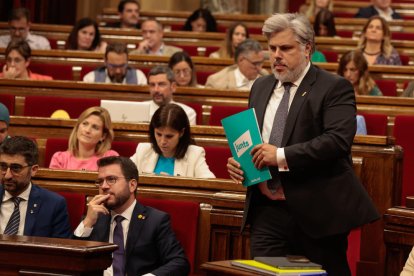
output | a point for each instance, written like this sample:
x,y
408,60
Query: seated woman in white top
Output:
x,y
171,151
90,140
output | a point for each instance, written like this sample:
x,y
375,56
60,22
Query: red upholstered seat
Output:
x,y
376,124
184,221
345,33
202,77
125,148
54,145
404,133
216,157
330,56
402,36
354,247
198,108
56,71
8,101
44,106
387,87
405,60
76,204
219,112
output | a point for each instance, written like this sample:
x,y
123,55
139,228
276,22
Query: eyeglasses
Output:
x,y
255,63
14,168
110,180
115,66
20,30
15,60
184,72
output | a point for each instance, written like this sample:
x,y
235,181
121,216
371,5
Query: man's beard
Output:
x,y
117,78
119,200
290,75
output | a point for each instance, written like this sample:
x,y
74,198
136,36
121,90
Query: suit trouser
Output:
x,y
274,232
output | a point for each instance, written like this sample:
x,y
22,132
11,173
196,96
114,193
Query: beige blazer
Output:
x,y
193,164
408,269
225,78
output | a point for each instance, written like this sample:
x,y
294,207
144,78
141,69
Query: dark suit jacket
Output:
x,y
47,215
151,245
321,189
371,11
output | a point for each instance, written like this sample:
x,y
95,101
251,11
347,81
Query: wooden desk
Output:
x,y
224,268
23,255
398,237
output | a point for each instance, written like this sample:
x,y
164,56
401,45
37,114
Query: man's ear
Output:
x,y
173,86
34,169
133,185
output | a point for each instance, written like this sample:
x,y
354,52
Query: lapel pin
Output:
x,y
304,93
31,211
35,205
140,216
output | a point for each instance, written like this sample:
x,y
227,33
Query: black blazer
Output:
x,y
151,245
371,11
321,188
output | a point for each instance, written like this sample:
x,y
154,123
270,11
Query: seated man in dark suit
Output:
x,y
145,239
379,7
27,209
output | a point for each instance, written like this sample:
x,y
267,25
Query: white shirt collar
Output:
x,y
387,15
241,81
297,82
127,214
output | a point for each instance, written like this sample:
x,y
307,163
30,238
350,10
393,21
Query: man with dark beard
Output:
x,y
307,118
27,209
146,242
116,69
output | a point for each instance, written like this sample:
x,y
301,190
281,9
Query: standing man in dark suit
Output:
x,y
314,198
148,244
27,209
379,7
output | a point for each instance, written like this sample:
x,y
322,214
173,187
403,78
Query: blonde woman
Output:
x,y
317,5
90,140
375,43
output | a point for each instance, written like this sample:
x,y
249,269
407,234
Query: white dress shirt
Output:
x,y
7,208
270,112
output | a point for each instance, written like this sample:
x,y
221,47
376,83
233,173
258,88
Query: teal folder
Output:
x,y
242,131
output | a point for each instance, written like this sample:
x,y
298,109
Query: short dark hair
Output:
x,y
122,3
116,47
72,41
249,45
128,168
21,145
21,46
19,13
211,24
173,116
162,69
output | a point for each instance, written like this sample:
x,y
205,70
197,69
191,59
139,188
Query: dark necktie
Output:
x,y
276,134
118,262
13,225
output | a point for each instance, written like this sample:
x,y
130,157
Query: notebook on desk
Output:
x,y
127,111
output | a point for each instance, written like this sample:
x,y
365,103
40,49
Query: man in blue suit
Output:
x,y
146,242
27,209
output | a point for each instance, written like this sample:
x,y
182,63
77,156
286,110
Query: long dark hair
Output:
x,y
211,24
173,116
72,42
326,18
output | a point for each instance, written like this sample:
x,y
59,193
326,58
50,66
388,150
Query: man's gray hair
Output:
x,y
298,23
249,45
162,69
